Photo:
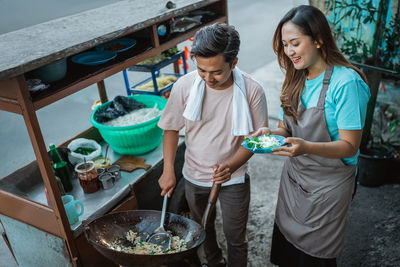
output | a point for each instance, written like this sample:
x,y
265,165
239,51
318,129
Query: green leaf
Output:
x,y
393,126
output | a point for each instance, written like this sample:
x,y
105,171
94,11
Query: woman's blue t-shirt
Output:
x,y
345,102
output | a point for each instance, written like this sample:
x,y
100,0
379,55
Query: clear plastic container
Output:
x,y
88,177
102,163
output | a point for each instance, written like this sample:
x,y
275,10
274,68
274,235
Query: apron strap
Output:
x,y
325,84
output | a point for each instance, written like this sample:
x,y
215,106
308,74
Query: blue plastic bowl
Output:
x,y
265,150
93,58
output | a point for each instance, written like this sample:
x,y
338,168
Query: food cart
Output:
x,y
36,231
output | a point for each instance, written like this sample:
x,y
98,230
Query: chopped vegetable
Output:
x,y
84,150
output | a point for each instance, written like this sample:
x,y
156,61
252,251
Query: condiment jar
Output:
x,y
107,180
88,177
102,162
115,171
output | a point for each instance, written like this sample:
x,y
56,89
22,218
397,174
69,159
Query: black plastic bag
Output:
x,y
121,105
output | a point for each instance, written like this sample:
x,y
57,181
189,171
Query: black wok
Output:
x,y
113,227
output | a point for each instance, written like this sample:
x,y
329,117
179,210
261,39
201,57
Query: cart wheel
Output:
x,y
177,203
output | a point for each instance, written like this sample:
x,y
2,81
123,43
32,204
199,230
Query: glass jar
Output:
x,y
88,177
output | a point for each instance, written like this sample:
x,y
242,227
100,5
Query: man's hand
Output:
x,y
167,183
222,173
261,131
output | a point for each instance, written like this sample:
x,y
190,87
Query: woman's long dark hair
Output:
x,y
312,22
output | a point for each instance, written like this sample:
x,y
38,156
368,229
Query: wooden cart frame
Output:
x,y
16,98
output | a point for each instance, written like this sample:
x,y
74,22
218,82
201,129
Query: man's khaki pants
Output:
x,y
234,200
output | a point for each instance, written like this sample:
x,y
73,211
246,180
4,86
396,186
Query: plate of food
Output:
x,y
118,45
263,143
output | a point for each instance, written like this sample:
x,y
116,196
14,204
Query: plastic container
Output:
x,y
135,139
102,163
88,177
82,143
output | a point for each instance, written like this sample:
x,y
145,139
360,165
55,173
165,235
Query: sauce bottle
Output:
x,y
61,168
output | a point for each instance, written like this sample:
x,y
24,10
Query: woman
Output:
x,y
324,101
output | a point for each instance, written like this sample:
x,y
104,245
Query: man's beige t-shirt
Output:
x,y
209,141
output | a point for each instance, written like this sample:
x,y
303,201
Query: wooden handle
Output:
x,y
212,199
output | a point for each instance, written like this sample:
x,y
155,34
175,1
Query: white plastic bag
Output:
x,y
75,158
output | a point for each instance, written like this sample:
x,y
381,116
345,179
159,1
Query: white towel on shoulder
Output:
x,y
242,123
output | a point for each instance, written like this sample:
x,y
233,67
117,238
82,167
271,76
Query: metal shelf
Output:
x,y
159,65
155,71
156,91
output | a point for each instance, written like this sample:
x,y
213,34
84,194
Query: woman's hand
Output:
x,y
346,147
261,131
296,146
167,183
222,173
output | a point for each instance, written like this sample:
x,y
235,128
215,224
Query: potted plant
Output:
x,y
370,39
377,162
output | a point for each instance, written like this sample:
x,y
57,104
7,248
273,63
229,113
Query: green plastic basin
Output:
x,y
134,139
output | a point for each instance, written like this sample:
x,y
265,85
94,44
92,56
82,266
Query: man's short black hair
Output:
x,y
217,39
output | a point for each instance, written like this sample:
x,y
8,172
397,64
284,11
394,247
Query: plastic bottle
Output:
x,y
162,30
61,168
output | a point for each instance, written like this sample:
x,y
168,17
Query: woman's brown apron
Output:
x,y
315,192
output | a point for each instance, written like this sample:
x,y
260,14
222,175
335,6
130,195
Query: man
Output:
x,y
218,105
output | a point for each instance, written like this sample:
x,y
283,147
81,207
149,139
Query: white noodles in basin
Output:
x,y
135,117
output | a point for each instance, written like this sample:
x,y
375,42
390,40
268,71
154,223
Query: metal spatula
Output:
x,y
160,236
